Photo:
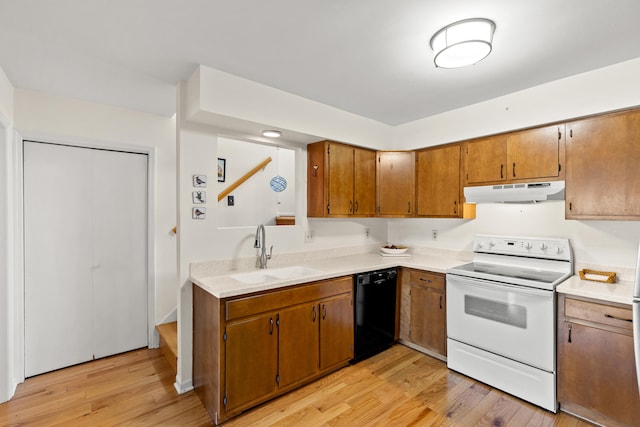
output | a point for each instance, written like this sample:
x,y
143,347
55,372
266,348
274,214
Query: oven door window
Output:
x,y
509,314
512,321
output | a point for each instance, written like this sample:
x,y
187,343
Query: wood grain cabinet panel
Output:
x,y
596,367
395,175
336,331
423,310
251,361
299,343
603,154
438,189
486,160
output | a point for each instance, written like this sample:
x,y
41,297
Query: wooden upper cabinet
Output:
x,y
340,195
438,190
340,180
603,158
486,160
534,153
396,183
364,185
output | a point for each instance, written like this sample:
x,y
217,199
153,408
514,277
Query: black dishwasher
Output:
x,y
374,312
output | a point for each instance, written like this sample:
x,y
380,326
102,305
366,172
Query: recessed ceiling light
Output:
x,y
271,133
462,43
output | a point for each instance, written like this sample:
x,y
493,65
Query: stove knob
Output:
x,y
528,245
492,243
478,246
558,250
543,247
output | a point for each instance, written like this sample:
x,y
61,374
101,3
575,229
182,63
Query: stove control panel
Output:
x,y
532,247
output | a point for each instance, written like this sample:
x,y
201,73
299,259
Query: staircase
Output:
x,y
169,343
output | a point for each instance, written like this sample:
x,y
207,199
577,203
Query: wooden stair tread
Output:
x,y
169,342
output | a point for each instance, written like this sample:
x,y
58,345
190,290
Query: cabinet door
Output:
x,y
299,343
438,182
596,370
603,154
336,331
364,169
340,159
534,153
396,183
486,160
251,359
427,328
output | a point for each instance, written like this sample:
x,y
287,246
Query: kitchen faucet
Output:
x,y
260,242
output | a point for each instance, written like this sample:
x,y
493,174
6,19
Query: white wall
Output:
x,y
7,382
612,243
43,116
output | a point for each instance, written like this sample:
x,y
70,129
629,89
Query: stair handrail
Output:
x,y
243,178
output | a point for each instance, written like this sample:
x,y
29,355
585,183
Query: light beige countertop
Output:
x,y
620,292
221,284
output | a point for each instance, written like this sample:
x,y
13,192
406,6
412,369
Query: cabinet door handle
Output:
x,y
440,302
315,315
569,326
455,207
408,207
324,311
501,168
350,206
609,316
356,207
271,326
514,169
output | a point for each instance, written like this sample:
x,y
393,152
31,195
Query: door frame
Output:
x,y
19,138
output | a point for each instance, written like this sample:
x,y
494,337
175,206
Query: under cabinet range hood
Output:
x,y
515,193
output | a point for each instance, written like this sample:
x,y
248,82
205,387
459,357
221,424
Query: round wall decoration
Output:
x,y
278,184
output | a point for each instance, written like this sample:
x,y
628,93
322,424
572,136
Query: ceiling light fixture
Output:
x,y
271,133
462,43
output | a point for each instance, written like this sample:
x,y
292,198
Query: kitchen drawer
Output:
x,y
274,300
619,317
432,280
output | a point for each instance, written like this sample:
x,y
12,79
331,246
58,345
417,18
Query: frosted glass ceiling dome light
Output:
x,y
271,133
462,43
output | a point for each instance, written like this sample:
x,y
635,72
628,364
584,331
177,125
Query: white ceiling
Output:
x,y
368,57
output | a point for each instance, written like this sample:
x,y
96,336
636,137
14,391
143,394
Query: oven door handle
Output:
x,y
463,280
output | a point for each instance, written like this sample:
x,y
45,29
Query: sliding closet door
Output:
x,y
85,219
58,257
119,252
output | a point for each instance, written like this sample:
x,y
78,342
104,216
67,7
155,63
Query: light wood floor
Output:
x,y
399,387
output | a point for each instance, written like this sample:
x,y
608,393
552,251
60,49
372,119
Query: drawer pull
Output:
x,y
422,279
609,316
440,302
569,332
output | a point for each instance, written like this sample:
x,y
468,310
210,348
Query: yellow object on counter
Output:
x,y
609,276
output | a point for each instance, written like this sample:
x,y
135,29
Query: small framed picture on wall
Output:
x,y
222,169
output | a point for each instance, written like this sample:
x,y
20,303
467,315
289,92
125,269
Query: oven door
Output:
x,y
511,321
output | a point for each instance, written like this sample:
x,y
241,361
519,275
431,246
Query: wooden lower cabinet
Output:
x,y
423,311
249,349
597,378
251,355
336,331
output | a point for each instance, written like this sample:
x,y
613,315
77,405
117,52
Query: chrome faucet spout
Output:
x,y
260,242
